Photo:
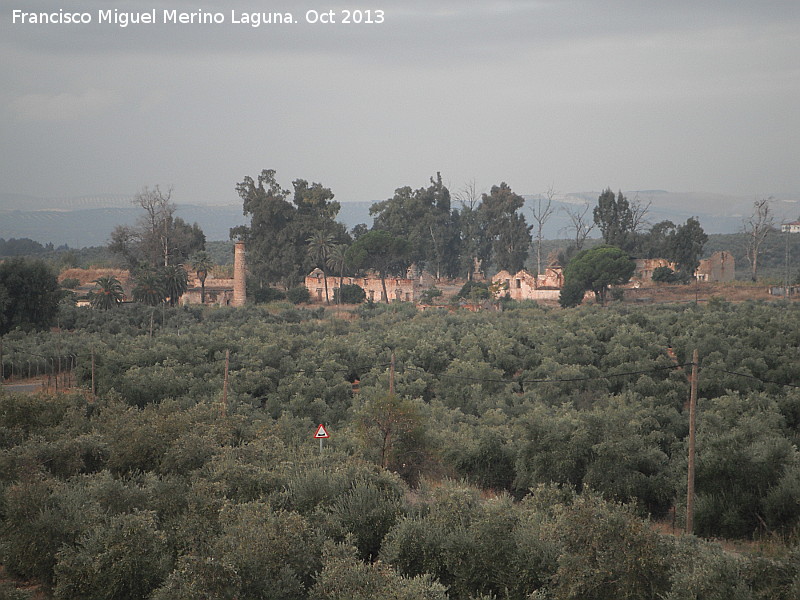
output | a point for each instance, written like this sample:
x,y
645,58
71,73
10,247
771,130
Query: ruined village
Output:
x,y
400,300
340,404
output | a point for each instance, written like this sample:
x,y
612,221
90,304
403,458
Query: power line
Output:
x,y
555,380
762,380
51,357
367,367
342,370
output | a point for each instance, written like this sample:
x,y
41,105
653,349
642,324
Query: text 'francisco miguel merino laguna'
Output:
x,y
167,16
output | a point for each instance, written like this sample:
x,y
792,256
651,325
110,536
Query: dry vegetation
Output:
x,y
732,292
88,276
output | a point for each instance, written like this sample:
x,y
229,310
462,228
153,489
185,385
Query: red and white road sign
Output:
x,y
321,432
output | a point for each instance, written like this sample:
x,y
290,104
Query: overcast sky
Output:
x,y
698,95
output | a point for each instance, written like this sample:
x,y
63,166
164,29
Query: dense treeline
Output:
x,y
23,247
292,233
29,295
566,430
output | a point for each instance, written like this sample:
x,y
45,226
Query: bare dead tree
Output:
x,y
155,223
582,224
542,209
469,197
757,226
639,213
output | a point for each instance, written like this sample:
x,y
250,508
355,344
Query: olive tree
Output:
x,y
595,270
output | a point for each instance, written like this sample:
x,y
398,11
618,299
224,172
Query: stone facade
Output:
x,y
519,286
552,278
399,289
645,267
720,266
219,292
524,286
222,292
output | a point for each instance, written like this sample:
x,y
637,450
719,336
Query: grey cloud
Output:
x,y
690,95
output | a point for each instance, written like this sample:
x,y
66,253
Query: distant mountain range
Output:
x,y
88,220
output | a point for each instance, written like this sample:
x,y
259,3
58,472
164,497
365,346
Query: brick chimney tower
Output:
x,y
239,275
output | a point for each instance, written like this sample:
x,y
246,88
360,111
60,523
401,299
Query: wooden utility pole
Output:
x,y
692,421
786,265
93,388
391,376
225,383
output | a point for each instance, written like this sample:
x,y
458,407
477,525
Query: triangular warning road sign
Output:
x,y
321,432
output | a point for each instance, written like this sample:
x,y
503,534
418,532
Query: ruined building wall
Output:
x,y
399,289
721,266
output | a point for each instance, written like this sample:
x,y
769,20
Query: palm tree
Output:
x,y
337,260
107,293
149,288
176,282
320,245
201,264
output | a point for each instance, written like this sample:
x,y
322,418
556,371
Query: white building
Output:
x,y
793,227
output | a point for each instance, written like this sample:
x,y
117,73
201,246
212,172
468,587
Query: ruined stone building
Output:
x,y
219,292
519,286
720,266
645,267
551,279
525,286
222,291
399,289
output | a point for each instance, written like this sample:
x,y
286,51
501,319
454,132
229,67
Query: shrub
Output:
x,y
9,592
474,290
198,578
571,295
344,577
607,553
268,294
70,283
350,294
664,275
126,557
774,577
476,548
703,570
667,275
29,295
487,461
428,296
62,457
368,512
746,475
274,552
40,516
298,295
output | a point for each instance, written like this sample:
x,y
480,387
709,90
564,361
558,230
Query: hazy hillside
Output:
x,y
88,220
